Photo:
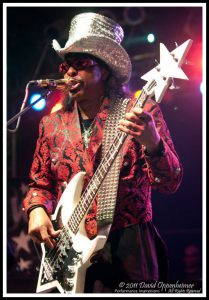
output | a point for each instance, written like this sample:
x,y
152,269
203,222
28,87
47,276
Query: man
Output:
x,y
71,140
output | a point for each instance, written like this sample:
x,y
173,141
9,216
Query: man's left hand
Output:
x,y
140,124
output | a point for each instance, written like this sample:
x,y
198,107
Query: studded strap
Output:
x,y
108,191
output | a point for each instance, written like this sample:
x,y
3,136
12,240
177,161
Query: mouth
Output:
x,y
75,86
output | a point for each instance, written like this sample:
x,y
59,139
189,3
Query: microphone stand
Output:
x,y
23,111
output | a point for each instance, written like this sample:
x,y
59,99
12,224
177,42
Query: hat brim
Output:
x,y
113,54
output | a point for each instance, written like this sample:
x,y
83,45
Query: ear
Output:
x,y
104,74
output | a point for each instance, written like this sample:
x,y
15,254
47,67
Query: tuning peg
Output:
x,y
71,271
187,62
173,86
157,65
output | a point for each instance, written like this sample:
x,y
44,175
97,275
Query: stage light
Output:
x,y
151,38
40,104
137,94
56,107
194,61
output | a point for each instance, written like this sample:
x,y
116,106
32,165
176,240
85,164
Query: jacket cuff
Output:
x,y
158,153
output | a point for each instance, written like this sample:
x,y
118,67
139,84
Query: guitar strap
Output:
x,y
107,194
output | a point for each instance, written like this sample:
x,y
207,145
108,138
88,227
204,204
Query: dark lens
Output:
x,y
81,63
78,63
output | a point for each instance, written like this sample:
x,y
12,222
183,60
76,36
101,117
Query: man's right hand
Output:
x,y
40,227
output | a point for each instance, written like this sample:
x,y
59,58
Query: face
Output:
x,y
87,74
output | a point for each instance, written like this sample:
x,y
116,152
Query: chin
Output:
x,y
78,96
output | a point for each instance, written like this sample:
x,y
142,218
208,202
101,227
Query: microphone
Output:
x,y
52,83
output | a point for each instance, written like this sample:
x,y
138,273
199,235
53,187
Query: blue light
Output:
x,y
150,37
40,104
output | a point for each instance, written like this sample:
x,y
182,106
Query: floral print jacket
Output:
x,y
60,154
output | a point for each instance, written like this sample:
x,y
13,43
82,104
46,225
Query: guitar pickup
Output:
x,y
69,282
71,271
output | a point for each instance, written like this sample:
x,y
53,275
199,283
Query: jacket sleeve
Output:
x,y
41,189
164,168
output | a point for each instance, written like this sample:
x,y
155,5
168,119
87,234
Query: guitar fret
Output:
x,y
91,188
95,185
71,223
106,160
96,178
98,175
72,226
103,168
77,215
120,138
80,210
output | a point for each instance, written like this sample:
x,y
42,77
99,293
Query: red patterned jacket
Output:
x,y
60,154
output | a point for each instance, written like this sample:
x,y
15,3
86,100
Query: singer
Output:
x,y
76,139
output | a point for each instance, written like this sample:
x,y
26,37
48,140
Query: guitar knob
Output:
x,y
57,266
75,260
71,271
69,282
64,253
61,260
79,255
69,243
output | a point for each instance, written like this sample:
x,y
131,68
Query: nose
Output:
x,y
72,72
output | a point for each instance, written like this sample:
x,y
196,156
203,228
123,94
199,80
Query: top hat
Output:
x,y
101,37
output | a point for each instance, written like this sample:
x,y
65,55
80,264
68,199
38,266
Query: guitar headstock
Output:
x,y
168,68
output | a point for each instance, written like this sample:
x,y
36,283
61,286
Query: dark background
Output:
x,y
30,31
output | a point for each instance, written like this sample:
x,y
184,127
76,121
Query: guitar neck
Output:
x,y
92,188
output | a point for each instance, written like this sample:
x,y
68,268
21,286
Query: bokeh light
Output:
x,y
40,105
151,38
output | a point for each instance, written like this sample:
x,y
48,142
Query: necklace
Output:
x,y
87,126
86,130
